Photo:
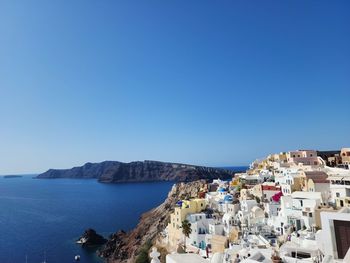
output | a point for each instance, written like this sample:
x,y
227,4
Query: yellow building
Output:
x,y
283,157
234,182
188,207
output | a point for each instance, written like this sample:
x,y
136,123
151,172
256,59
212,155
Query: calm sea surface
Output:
x,y
39,216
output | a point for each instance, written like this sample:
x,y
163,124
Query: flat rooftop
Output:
x,y
185,258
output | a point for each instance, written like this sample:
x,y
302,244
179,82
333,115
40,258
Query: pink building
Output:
x,y
306,157
269,190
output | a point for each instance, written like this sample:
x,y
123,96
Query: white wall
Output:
x,y
328,240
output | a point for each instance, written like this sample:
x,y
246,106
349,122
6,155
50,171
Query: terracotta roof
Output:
x,y
270,188
317,176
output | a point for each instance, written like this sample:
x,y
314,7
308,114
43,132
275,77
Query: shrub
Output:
x,y
143,257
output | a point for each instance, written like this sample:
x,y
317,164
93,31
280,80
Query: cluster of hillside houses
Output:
x,y
289,207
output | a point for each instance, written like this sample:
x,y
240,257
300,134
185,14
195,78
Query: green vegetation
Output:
x,y
257,199
143,257
186,230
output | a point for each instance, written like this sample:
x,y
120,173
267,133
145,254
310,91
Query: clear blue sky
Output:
x,y
204,82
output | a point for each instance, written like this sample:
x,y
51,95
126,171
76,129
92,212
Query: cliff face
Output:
x,y
147,171
88,170
123,247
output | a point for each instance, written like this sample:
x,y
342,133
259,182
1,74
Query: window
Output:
x,y
337,194
310,214
300,255
301,202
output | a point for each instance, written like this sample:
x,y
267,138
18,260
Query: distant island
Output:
x,y
139,171
12,176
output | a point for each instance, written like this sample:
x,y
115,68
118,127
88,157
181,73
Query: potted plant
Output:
x,y
275,257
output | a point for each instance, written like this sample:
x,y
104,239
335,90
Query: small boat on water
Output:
x,y
77,258
82,241
44,258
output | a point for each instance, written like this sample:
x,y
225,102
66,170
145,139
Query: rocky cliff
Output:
x,y
124,247
146,171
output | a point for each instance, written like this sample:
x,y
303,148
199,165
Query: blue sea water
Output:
x,y
39,217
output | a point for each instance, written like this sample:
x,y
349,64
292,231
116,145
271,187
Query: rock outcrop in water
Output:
x,y
91,238
146,171
124,247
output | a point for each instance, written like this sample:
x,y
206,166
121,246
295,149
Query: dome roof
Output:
x,y
228,198
221,190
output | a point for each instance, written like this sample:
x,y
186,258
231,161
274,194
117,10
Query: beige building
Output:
x,y
192,206
315,181
257,191
345,155
340,187
318,211
218,244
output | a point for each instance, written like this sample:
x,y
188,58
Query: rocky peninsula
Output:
x,y
139,171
